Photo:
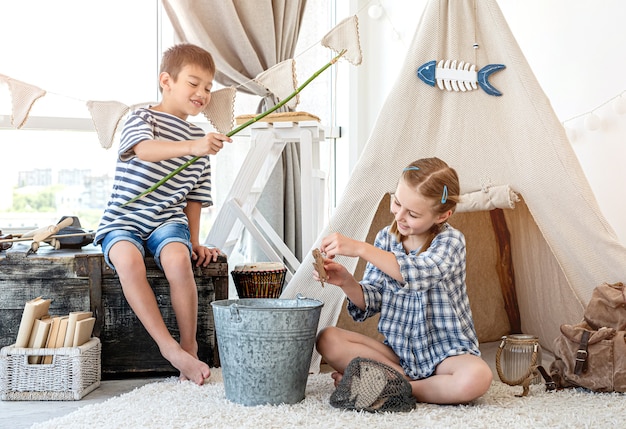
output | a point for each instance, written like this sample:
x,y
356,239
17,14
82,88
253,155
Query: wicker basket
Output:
x,y
73,373
259,280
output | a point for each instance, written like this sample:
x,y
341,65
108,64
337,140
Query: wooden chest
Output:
x,y
81,280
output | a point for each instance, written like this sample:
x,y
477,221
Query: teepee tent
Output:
x,y
541,253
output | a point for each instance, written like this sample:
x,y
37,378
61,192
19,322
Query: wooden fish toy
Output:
x,y
459,77
318,265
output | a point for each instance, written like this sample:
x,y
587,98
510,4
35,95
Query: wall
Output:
x,y
573,48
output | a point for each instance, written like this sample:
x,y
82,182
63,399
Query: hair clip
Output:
x,y
444,196
411,168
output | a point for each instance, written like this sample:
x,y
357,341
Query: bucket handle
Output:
x,y
234,308
301,297
234,313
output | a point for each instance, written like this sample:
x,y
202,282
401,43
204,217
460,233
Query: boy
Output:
x,y
154,142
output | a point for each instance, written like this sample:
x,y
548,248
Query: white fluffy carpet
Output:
x,y
173,404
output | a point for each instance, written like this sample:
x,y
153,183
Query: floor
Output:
x,y
23,414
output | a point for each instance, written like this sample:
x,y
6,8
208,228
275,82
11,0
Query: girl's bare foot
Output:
x,y
337,376
190,367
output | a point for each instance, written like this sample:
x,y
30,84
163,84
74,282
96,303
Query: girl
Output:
x,y
415,279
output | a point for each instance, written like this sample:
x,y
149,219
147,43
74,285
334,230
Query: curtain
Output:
x,y
246,38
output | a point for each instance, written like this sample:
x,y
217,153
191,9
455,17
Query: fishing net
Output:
x,y
372,386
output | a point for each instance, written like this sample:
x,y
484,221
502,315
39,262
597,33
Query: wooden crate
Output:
x,y
81,280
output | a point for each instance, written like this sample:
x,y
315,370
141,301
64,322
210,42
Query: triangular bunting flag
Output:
x,y
345,35
23,95
106,116
281,81
221,109
145,104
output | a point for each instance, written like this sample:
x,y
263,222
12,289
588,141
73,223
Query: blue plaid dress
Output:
x,y
426,318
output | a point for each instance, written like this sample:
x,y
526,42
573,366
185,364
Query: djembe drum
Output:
x,y
259,279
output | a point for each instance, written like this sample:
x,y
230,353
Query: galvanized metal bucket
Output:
x,y
265,347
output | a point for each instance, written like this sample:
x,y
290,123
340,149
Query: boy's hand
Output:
x,y
210,144
203,256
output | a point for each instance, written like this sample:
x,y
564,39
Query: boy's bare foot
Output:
x,y
181,377
190,368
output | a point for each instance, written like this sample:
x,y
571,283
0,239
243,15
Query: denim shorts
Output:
x,y
164,234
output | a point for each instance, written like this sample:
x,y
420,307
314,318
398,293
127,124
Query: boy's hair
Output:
x,y
178,56
436,181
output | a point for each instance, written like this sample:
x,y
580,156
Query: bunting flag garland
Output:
x,y
221,109
281,81
23,96
106,116
345,35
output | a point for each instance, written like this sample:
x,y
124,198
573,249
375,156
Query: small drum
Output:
x,y
259,279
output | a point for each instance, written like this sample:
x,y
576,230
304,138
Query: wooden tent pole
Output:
x,y
505,269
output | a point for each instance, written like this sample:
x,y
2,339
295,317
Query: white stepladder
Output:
x,y
268,140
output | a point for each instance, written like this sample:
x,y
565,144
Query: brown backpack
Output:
x,y
592,354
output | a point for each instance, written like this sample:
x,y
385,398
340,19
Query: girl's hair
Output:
x,y
178,56
435,181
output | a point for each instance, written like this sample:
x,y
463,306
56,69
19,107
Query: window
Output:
x,y
100,50
103,50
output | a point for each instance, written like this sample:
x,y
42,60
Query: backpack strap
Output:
x,y
581,354
550,384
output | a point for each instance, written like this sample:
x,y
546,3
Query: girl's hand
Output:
x,y
336,273
337,244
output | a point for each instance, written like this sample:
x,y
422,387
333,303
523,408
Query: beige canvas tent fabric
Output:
x,y
562,245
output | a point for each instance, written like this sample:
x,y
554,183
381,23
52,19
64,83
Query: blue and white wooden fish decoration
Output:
x,y
461,77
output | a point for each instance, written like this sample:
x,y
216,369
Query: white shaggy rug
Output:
x,y
173,404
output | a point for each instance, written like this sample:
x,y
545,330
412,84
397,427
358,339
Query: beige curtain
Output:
x,y
247,37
